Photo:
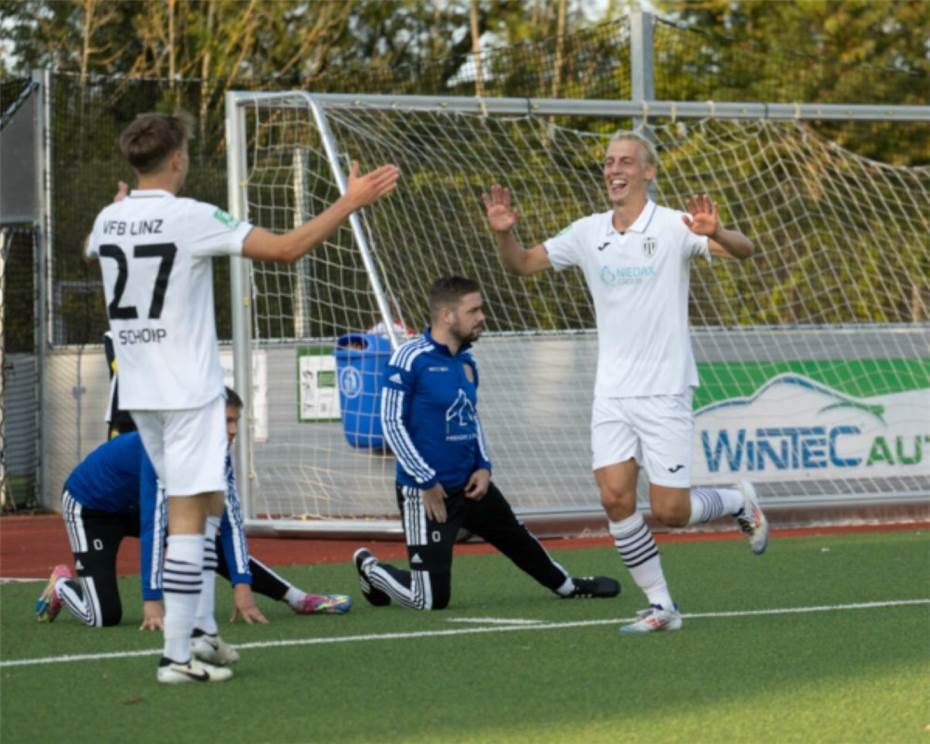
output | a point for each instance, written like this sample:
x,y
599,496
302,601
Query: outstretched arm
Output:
x,y
288,247
702,219
502,218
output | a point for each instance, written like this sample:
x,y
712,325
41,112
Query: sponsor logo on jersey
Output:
x,y
416,559
620,275
602,247
675,469
649,247
395,378
437,369
131,337
460,416
226,218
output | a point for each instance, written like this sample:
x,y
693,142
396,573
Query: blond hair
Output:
x,y
649,149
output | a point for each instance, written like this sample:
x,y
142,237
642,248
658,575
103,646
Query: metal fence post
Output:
x,y
43,186
240,296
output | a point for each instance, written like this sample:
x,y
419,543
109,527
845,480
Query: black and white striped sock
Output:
x,y
710,503
639,552
205,618
182,584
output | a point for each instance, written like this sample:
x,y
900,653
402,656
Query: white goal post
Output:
x,y
814,356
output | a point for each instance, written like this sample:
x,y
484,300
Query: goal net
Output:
x,y
813,355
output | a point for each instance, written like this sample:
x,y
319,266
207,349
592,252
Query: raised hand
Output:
x,y
367,189
501,215
122,191
702,215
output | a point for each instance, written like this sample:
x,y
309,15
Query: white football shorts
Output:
x,y
187,447
657,431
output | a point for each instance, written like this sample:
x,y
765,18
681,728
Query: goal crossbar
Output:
x,y
606,108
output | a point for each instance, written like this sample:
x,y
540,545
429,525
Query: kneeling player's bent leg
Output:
x,y
492,519
427,585
95,538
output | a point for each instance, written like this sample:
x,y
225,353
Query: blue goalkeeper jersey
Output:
x,y
429,414
108,478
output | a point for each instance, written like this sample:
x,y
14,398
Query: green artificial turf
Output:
x,y
838,675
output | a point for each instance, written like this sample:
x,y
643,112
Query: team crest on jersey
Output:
x,y
226,218
469,373
649,247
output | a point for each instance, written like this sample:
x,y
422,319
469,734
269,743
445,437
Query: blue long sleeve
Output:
x,y
232,532
153,525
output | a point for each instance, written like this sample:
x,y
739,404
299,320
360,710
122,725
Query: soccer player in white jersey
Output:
x,y
155,253
636,259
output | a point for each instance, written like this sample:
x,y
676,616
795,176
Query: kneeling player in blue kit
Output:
x,y
113,494
430,420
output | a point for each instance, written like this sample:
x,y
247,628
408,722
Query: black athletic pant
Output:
x,y
95,537
427,585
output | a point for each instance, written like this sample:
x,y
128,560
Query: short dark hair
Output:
x,y
232,398
151,138
449,290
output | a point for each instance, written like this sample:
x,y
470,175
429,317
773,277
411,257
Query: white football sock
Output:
x,y
294,596
182,584
710,503
205,618
639,552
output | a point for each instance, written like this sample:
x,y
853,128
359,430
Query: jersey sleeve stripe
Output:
x,y
159,523
234,513
405,355
392,407
482,445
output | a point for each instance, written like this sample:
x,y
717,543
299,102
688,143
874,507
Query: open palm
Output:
x,y
501,215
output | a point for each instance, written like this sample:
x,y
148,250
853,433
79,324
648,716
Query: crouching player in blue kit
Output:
x,y
113,494
429,418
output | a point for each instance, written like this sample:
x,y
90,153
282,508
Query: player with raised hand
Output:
x,y
636,258
156,254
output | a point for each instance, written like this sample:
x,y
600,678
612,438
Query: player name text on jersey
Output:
x,y
142,336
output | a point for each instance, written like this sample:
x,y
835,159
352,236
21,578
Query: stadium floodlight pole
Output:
x,y
332,154
240,296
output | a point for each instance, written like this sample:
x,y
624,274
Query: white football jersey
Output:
x,y
155,253
639,283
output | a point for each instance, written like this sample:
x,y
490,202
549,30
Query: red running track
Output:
x,y
30,545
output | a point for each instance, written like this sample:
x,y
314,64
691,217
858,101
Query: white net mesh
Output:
x,y
813,355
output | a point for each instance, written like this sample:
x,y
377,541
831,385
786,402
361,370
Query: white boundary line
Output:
x,y
493,621
469,631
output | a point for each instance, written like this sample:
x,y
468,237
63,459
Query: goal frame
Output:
x,y
236,106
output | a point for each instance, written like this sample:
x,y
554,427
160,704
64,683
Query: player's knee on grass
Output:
x,y
442,591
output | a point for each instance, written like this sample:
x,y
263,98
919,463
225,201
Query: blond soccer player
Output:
x,y
636,258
